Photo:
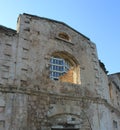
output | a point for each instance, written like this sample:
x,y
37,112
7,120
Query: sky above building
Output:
x,y
97,19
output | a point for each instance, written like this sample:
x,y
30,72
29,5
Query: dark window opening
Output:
x,y
115,124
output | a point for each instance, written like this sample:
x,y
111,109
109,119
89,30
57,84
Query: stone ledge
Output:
x,y
97,100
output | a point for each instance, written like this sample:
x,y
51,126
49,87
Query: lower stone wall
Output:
x,y
13,111
37,110
28,109
50,111
2,111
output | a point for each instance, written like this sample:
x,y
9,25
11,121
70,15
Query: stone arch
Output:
x,y
64,36
73,75
69,121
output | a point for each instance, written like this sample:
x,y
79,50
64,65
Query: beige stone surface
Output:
x,y
85,98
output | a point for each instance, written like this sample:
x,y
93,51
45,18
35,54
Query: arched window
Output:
x,y
64,67
64,36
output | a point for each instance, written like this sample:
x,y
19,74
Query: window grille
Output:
x,y
58,67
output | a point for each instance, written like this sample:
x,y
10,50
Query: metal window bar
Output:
x,y
58,67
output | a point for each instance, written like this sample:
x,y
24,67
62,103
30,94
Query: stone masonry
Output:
x,y
34,95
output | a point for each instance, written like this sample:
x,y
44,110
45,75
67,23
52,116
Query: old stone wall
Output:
x,y
30,100
13,111
8,48
40,46
114,89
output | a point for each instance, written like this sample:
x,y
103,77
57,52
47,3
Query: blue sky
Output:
x,y
97,19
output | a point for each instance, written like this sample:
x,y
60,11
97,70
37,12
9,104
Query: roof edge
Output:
x,y
38,17
117,73
7,29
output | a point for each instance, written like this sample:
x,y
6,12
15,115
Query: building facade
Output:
x,y
51,79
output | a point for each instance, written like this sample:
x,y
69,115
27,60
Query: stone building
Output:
x,y
51,79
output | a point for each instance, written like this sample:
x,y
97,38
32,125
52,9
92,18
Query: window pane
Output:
x,y
58,67
54,67
57,74
54,61
57,61
51,60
